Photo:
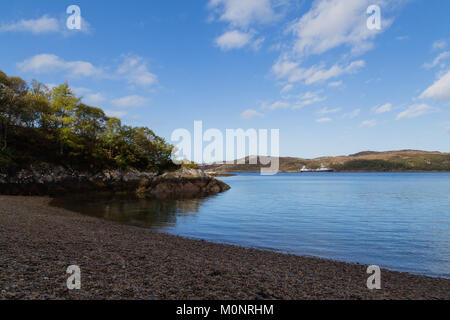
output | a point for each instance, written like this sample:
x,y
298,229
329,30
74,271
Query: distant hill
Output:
x,y
403,160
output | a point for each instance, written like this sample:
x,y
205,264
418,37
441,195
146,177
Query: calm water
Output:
x,y
399,221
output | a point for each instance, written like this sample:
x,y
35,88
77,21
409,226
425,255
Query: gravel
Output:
x,y
38,242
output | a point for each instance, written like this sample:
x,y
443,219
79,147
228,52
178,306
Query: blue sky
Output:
x,y
309,68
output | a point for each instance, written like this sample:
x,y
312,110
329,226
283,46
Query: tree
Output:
x,y
64,104
12,104
111,134
42,125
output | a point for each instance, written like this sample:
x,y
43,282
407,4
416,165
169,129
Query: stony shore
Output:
x,y
38,242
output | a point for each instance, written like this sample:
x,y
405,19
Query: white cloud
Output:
x,y
414,111
115,114
317,73
335,84
88,97
387,107
47,63
233,40
440,90
250,114
242,16
257,43
277,105
41,25
439,45
94,98
437,60
287,88
79,91
328,111
133,101
368,123
242,13
330,24
323,120
307,99
334,71
135,70
352,115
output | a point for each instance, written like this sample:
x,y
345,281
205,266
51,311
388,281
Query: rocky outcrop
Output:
x,y
57,180
185,183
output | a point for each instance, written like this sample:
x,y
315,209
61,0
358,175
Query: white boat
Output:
x,y
324,169
304,169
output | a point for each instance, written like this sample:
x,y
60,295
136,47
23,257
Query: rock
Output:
x,y
46,179
184,183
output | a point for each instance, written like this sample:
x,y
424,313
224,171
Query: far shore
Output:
x,y
39,242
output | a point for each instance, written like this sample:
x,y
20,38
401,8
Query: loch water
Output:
x,y
399,221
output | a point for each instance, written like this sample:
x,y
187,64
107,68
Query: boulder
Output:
x,y
184,183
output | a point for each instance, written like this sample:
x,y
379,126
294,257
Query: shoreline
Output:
x,y
122,262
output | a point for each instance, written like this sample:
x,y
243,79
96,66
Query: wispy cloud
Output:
x,y
368,123
49,63
276,105
115,114
387,107
88,96
94,99
44,24
287,88
439,44
243,19
307,99
352,115
136,71
293,72
132,69
251,114
330,24
239,13
335,84
441,57
414,111
133,101
440,90
324,120
233,40
328,111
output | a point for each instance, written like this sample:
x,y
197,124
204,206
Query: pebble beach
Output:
x,y
38,242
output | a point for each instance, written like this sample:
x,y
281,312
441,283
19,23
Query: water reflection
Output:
x,y
126,209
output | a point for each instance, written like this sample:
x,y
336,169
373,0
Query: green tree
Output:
x,y
64,104
38,124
